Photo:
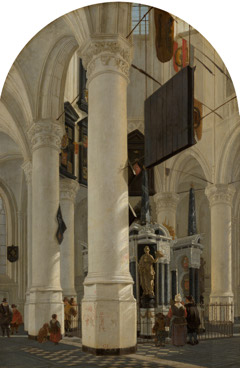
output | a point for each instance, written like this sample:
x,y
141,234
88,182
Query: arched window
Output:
x,y
3,248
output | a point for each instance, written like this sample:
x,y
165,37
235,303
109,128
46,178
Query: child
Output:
x,y
55,330
43,333
16,319
159,329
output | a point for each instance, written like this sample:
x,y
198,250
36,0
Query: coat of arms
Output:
x,y
12,253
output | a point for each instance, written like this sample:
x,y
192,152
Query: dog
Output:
x,y
43,333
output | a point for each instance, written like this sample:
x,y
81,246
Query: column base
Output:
x,y
221,308
42,304
26,311
109,324
123,351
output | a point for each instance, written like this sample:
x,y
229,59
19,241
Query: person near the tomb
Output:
x,y
69,313
55,330
16,319
193,320
159,329
178,324
5,317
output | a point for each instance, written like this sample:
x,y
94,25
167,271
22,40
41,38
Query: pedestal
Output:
x,y
147,321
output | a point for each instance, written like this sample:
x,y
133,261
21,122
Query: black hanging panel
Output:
x,y
169,118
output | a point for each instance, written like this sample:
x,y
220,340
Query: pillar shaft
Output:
x,y
220,198
68,190
45,292
108,298
27,167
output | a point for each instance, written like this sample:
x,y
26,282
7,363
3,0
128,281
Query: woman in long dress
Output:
x,y
55,330
178,324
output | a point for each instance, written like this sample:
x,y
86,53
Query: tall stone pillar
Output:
x,y
108,306
27,168
45,292
220,197
68,191
166,203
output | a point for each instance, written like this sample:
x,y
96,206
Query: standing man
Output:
x,y
193,320
5,317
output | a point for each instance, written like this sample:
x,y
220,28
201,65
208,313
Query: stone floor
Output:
x,y
19,351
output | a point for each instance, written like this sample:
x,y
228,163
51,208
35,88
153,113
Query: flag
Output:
x,y
61,226
137,169
197,122
181,54
164,24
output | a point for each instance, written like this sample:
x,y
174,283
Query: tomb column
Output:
x,y
108,306
68,191
166,207
27,168
45,292
220,198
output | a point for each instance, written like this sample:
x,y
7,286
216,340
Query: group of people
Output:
x,y
182,322
52,330
10,318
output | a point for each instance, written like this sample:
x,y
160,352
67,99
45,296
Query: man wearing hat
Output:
x,y
5,317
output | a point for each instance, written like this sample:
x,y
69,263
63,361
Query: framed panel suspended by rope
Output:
x,y
169,127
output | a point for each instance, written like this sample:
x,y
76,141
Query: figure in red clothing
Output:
x,y
16,319
55,330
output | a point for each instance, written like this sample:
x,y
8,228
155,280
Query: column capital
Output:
x,y
27,168
220,194
166,200
106,53
46,133
68,189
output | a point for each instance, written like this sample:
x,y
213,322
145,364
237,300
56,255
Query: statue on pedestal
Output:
x,y
146,271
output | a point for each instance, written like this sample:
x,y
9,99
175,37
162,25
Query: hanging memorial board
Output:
x,y
67,157
83,147
169,127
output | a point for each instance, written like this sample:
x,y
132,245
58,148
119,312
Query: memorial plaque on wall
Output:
x,y
67,160
83,91
136,156
83,139
169,127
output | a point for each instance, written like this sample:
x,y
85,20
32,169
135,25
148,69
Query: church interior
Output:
x,y
72,134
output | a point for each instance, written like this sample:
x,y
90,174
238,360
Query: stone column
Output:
x,y
46,291
174,283
68,191
220,197
27,168
108,306
166,284
192,281
166,207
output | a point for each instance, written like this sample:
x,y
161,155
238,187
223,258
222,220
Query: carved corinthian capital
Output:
x,y
106,53
27,168
220,194
166,200
45,134
68,189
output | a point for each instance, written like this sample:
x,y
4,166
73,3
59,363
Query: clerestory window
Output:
x,y
138,12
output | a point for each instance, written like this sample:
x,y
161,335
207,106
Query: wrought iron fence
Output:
x,y
76,323
216,322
